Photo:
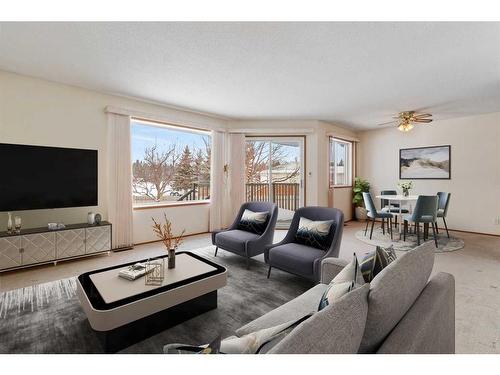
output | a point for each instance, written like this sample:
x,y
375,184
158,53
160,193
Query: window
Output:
x,y
340,162
170,164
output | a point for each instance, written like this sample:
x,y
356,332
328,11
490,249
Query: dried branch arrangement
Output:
x,y
164,233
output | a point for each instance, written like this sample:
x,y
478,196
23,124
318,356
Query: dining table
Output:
x,y
401,199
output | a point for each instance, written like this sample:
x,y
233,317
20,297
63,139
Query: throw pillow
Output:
x,y
376,261
255,222
253,343
315,233
341,284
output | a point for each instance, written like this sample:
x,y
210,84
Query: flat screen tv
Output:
x,y
36,177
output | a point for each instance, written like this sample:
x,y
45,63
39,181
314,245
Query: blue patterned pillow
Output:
x,y
376,261
316,234
255,222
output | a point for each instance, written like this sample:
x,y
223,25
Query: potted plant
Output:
x,y
360,186
405,186
164,233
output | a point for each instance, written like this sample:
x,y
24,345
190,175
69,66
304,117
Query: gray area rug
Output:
x,y
445,244
47,318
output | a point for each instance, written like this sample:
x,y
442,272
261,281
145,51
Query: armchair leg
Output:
x,y
248,263
216,248
269,272
405,228
446,227
371,230
383,226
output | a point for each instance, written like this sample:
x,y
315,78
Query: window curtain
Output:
x,y
217,181
236,176
120,180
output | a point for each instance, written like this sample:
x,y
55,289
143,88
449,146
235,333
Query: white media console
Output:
x,y
40,245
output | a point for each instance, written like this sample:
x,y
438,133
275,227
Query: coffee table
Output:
x,y
124,312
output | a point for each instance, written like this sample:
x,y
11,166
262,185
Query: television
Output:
x,y
38,177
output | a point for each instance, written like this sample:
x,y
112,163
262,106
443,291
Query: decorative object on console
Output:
x,y
97,219
9,223
17,224
164,233
425,163
91,218
405,187
155,271
52,226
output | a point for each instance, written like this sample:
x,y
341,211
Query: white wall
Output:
x,y
34,111
475,166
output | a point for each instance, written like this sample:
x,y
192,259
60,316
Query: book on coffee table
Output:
x,y
134,271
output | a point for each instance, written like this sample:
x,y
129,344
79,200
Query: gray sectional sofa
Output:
x,y
400,311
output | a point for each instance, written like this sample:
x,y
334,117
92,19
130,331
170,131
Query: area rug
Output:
x,y
445,244
48,318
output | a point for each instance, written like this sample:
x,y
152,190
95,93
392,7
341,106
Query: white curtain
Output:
x,y
120,180
217,181
235,192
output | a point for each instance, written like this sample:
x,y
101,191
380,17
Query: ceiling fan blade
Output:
x,y
418,115
424,120
387,123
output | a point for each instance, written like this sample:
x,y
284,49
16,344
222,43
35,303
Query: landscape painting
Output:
x,y
424,163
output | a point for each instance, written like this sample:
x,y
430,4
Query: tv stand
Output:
x,y
35,246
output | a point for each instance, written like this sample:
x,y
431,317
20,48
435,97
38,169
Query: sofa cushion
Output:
x,y
295,258
343,283
315,233
234,239
254,222
293,310
393,291
337,329
376,261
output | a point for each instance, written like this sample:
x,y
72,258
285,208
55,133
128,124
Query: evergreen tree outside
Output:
x,y
185,176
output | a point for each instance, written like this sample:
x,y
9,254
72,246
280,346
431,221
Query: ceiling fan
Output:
x,y
405,120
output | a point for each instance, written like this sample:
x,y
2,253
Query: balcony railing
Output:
x,y
285,195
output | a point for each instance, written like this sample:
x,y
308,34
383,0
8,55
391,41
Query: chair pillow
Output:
x,y
255,222
343,283
376,261
315,233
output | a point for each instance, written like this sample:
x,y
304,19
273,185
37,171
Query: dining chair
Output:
x,y
374,214
393,207
425,212
443,202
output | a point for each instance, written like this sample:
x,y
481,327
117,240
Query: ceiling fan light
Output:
x,y
405,127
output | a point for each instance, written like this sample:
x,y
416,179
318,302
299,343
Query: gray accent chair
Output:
x,y
443,203
425,212
406,312
392,207
244,243
374,214
303,260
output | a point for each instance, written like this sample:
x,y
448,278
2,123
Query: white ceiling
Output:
x,y
355,74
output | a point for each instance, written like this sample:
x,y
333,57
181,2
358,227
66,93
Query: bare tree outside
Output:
x,y
177,169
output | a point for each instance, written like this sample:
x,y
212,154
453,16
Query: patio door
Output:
x,y
275,173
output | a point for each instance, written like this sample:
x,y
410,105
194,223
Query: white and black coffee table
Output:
x,y
124,312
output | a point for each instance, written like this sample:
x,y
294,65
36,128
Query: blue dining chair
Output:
x,y
425,212
443,203
392,207
374,214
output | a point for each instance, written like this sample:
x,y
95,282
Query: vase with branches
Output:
x,y
164,232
